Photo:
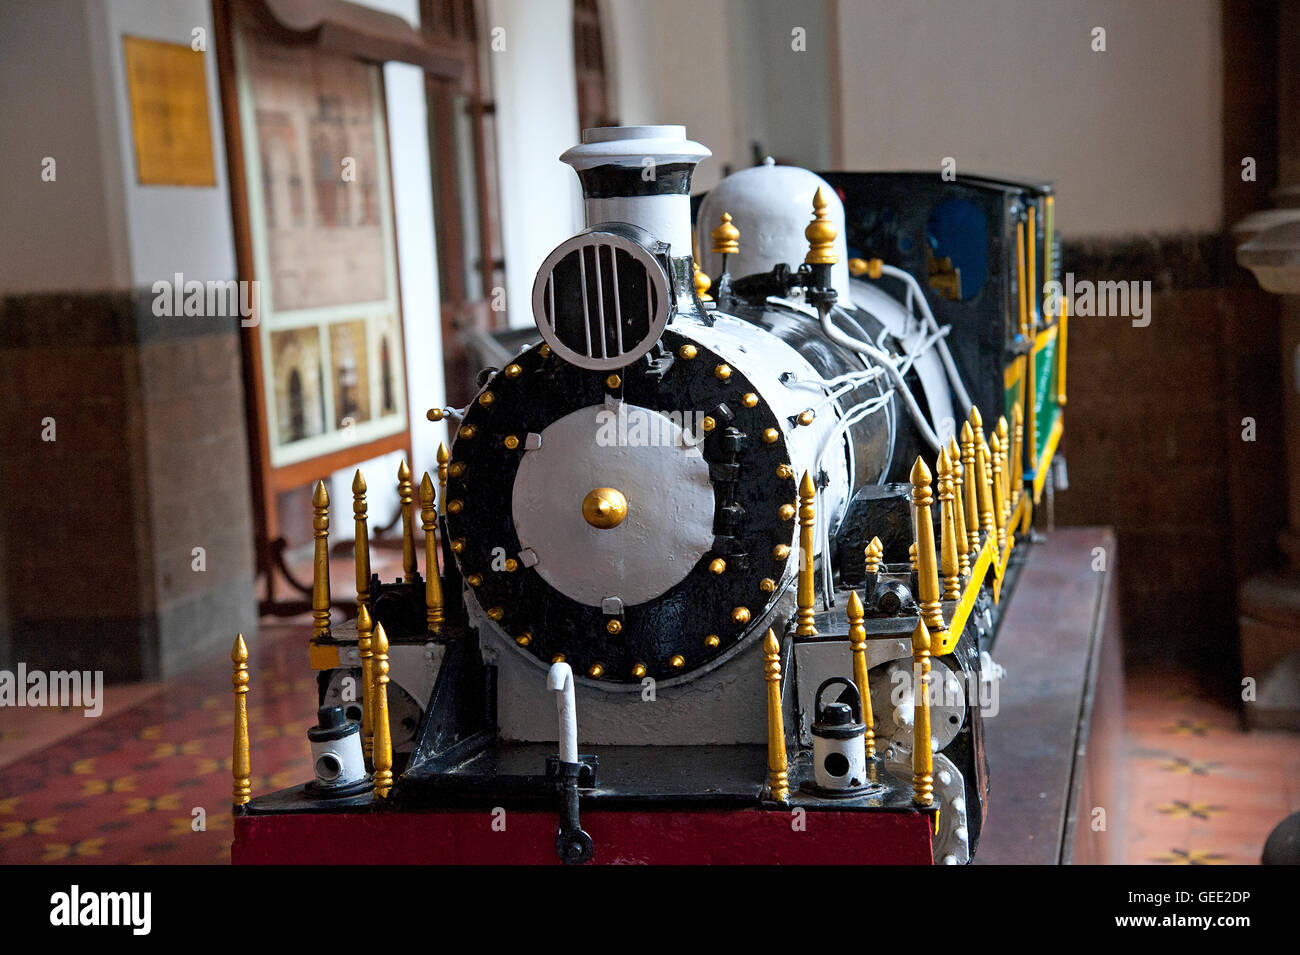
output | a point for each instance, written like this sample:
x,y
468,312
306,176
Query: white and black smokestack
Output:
x,y
641,175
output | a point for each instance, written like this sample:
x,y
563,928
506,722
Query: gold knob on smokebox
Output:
x,y
604,508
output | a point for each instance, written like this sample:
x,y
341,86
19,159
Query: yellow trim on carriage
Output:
x,y
1013,373
1043,338
967,603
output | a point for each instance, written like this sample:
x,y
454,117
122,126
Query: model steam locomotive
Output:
x,y
689,593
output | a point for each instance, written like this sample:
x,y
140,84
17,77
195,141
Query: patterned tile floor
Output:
x,y
125,787
1201,791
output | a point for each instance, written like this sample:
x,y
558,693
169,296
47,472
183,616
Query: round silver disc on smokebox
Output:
x,y
657,468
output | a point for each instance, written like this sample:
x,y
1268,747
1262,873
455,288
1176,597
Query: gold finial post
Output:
x,y
320,578
959,507
443,457
1031,247
365,649
362,544
383,754
984,477
1063,327
875,555
702,284
1021,290
807,512
1017,454
971,488
948,563
922,754
432,578
999,502
240,761
726,239
406,495
1004,448
821,232
778,780
1031,406
911,556
858,646
927,569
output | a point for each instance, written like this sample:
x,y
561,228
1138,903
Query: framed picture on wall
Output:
x,y
323,251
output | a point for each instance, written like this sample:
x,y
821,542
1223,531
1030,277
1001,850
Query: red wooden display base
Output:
x,y
666,837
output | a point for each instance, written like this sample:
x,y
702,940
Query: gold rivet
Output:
x,y
750,400
496,613
771,436
558,658
717,565
458,545
767,585
524,639
511,565
604,508
544,351
708,424
722,372
613,381
513,371
455,506
474,579
786,512
467,431
639,671
595,671
688,352
677,661
781,551
740,615
511,441
784,471
712,641
457,470
806,417
486,398
434,414
614,627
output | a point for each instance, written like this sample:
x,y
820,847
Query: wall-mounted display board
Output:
x,y
324,250
312,200
169,113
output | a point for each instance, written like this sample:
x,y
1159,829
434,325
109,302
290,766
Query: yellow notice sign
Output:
x,y
169,112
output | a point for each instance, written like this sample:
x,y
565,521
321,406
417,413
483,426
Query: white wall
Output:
x,y
672,64
1130,136
169,229
417,264
535,89
724,69
631,60
96,227
66,234
780,92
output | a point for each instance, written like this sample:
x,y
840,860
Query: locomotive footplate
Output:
x,y
652,804
515,776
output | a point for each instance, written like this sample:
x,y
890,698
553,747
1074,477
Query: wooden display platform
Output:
x,y
1055,748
